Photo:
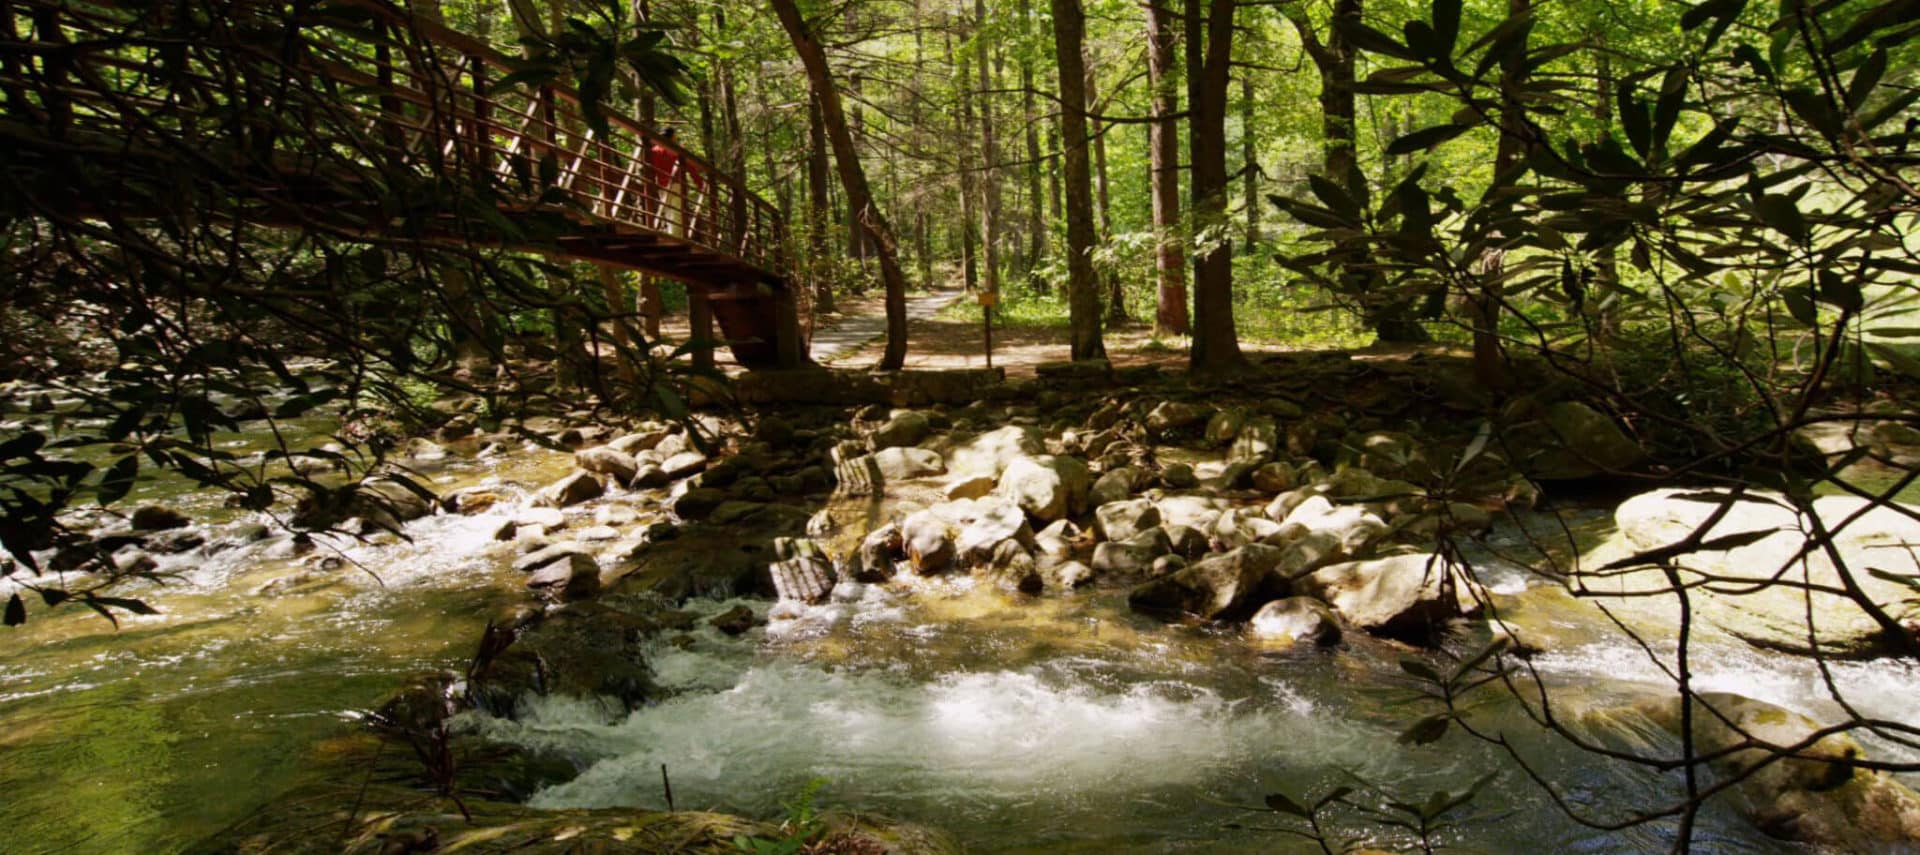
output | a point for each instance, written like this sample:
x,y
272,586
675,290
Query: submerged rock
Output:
x,y
158,518
1817,796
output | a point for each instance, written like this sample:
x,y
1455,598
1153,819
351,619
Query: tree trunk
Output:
x,y
852,179
819,213
969,250
1083,296
1489,356
1116,298
989,173
1216,345
1163,175
1250,172
1036,212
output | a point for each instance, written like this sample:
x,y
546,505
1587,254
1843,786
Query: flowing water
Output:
x,y
1055,724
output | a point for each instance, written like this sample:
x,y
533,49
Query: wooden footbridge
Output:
x,y
423,99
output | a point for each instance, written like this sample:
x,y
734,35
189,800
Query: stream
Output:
x,y
1061,723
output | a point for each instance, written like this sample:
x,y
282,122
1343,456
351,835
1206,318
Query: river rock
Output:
x,y
1307,553
873,561
1256,442
1197,512
801,570
1773,616
1048,487
158,518
1179,476
697,503
1118,485
968,487
1573,440
576,578
610,462
683,464
1187,541
928,540
1817,797
1065,575
1241,526
468,501
1130,559
1122,520
984,525
1293,620
1173,417
1394,455
580,486
1404,596
991,453
1273,478
901,464
1055,543
904,429
644,440
547,555
1221,587
1224,426
1354,526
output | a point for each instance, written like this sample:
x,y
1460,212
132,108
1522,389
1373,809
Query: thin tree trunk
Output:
x,y
1163,175
963,128
1250,173
819,213
1116,298
1083,296
1489,356
852,179
1036,213
1216,345
989,174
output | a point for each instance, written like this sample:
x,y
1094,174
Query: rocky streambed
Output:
x,y
1060,617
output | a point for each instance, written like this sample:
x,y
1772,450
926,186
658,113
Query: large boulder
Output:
x,y
1404,596
992,452
1818,796
611,462
1173,417
1048,487
576,578
927,537
1760,591
578,486
1121,520
984,525
1224,586
1294,620
905,428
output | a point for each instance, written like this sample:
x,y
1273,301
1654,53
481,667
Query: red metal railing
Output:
x,y
418,96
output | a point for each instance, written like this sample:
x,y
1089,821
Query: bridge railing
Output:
x,y
423,97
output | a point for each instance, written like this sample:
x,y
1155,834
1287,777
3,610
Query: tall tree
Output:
x,y
989,170
1216,345
1163,174
853,179
969,180
1036,212
1083,295
819,207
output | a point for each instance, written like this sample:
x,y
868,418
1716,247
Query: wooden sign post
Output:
x,y
987,300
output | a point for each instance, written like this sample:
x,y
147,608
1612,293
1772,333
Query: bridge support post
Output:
x,y
790,346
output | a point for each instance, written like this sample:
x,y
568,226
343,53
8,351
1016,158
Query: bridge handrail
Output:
x,y
422,99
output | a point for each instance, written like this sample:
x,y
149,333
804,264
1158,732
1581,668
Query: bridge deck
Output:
x,y
422,98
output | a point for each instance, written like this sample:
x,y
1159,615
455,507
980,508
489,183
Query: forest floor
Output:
x,y
942,341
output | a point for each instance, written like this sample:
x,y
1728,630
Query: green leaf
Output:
x,y
1906,579
1279,802
1799,300
23,445
1335,198
1427,730
134,606
115,485
16,611
1419,669
1866,77
1781,214
1673,91
1840,291
1896,359
1426,138
1371,40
